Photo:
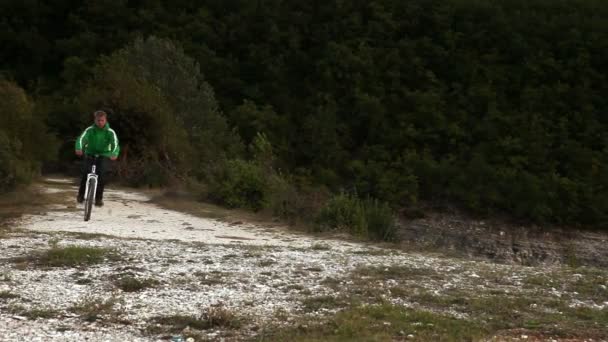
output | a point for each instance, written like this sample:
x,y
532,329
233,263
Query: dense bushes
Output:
x,y
24,141
496,106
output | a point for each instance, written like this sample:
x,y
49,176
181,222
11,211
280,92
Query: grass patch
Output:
x,y
536,314
212,317
8,295
290,287
90,236
393,272
332,283
33,313
133,284
84,281
317,246
70,256
383,322
314,269
312,304
93,309
210,278
267,262
590,283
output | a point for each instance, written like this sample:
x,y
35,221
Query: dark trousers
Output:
x,y
101,164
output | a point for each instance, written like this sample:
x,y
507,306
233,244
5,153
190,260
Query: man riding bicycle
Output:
x,y
97,140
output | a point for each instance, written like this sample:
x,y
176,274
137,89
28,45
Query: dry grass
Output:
x,y
7,295
33,313
128,283
92,309
70,256
312,304
210,318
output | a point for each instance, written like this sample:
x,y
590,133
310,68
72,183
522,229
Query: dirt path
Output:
x,y
128,214
162,267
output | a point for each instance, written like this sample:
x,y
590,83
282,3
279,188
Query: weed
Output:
x,y
293,287
32,313
8,295
212,317
312,304
45,313
91,309
320,247
70,256
133,284
332,283
83,281
267,262
54,242
314,269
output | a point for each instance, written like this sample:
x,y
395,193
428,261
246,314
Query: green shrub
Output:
x,y
342,212
380,220
240,184
295,202
366,218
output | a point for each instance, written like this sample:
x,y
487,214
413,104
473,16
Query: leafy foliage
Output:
x,y
166,114
24,141
240,184
495,105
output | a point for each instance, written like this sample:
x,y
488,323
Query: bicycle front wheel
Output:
x,y
88,204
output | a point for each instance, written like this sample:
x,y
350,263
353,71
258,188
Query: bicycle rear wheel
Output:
x,y
88,204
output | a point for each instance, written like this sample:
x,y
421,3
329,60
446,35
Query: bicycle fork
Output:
x,y
91,175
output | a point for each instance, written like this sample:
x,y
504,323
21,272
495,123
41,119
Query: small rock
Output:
x,y
410,336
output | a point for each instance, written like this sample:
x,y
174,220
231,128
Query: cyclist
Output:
x,y
97,140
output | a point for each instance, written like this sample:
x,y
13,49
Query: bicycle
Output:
x,y
90,189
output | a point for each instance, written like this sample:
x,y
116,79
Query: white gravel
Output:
x,y
196,264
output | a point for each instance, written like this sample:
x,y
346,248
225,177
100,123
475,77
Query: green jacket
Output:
x,y
99,141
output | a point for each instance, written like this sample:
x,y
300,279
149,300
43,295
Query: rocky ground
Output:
x,y
140,272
